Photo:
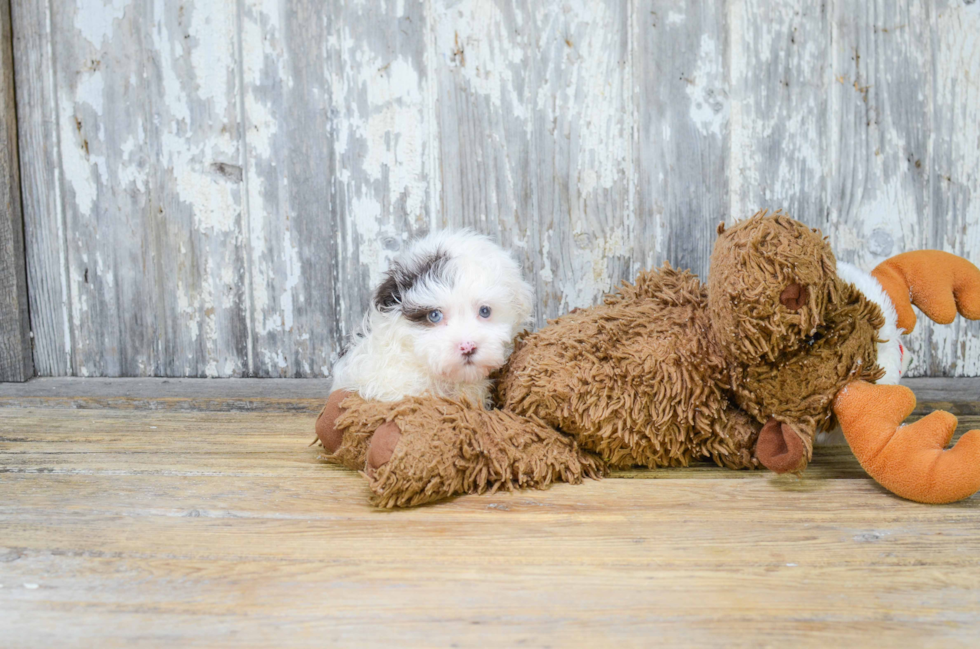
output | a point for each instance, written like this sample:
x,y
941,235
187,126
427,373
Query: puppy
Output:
x,y
441,321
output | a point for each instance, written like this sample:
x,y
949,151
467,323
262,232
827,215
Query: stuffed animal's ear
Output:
x,y
721,228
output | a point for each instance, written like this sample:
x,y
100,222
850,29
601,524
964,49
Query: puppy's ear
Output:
x,y
524,303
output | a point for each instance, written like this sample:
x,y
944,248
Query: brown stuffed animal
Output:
x,y
743,371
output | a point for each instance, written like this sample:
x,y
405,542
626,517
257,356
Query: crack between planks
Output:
x,y
60,218
246,205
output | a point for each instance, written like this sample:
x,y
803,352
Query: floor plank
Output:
x,y
163,527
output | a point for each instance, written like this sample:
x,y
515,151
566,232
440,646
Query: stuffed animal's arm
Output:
x,y
443,448
418,450
908,460
784,447
347,424
939,283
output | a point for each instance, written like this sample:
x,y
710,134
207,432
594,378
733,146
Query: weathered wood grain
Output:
x,y
682,102
142,106
580,119
295,257
16,362
41,176
780,76
954,179
212,190
221,529
535,137
338,162
879,150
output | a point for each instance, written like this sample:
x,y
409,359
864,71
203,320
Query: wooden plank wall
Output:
x,y
211,188
16,363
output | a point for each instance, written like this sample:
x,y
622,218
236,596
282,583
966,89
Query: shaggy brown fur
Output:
x,y
668,370
450,447
634,380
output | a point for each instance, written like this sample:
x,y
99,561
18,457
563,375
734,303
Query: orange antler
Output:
x,y
910,461
939,283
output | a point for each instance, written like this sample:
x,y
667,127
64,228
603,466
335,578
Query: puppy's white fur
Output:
x,y
399,352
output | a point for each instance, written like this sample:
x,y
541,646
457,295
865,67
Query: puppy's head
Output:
x,y
457,300
771,284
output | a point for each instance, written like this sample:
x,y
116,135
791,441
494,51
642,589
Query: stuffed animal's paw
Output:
x,y
382,446
444,449
347,424
327,431
780,448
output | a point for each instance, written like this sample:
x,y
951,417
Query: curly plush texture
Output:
x,y
623,378
669,370
453,447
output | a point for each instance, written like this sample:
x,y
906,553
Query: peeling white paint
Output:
x,y
91,90
76,165
956,348
709,98
212,32
293,269
95,19
590,268
474,37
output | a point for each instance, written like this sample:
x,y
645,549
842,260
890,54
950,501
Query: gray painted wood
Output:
x,y
535,138
953,184
40,170
16,363
879,141
211,189
683,105
481,59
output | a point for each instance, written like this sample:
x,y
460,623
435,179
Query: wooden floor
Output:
x,y
135,517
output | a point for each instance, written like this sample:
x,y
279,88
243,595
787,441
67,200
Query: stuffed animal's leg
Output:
x,y
785,447
733,441
442,448
908,460
939,283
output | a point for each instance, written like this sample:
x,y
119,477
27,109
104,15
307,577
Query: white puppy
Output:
x,y
441,321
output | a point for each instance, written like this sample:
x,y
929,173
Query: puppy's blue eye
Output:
x,y
484,312
434,316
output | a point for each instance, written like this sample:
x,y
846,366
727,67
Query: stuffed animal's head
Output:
x,y
771,281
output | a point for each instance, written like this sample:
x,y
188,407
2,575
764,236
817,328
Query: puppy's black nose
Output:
x,y
467,349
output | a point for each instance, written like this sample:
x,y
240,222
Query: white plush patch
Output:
x,y
893,356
